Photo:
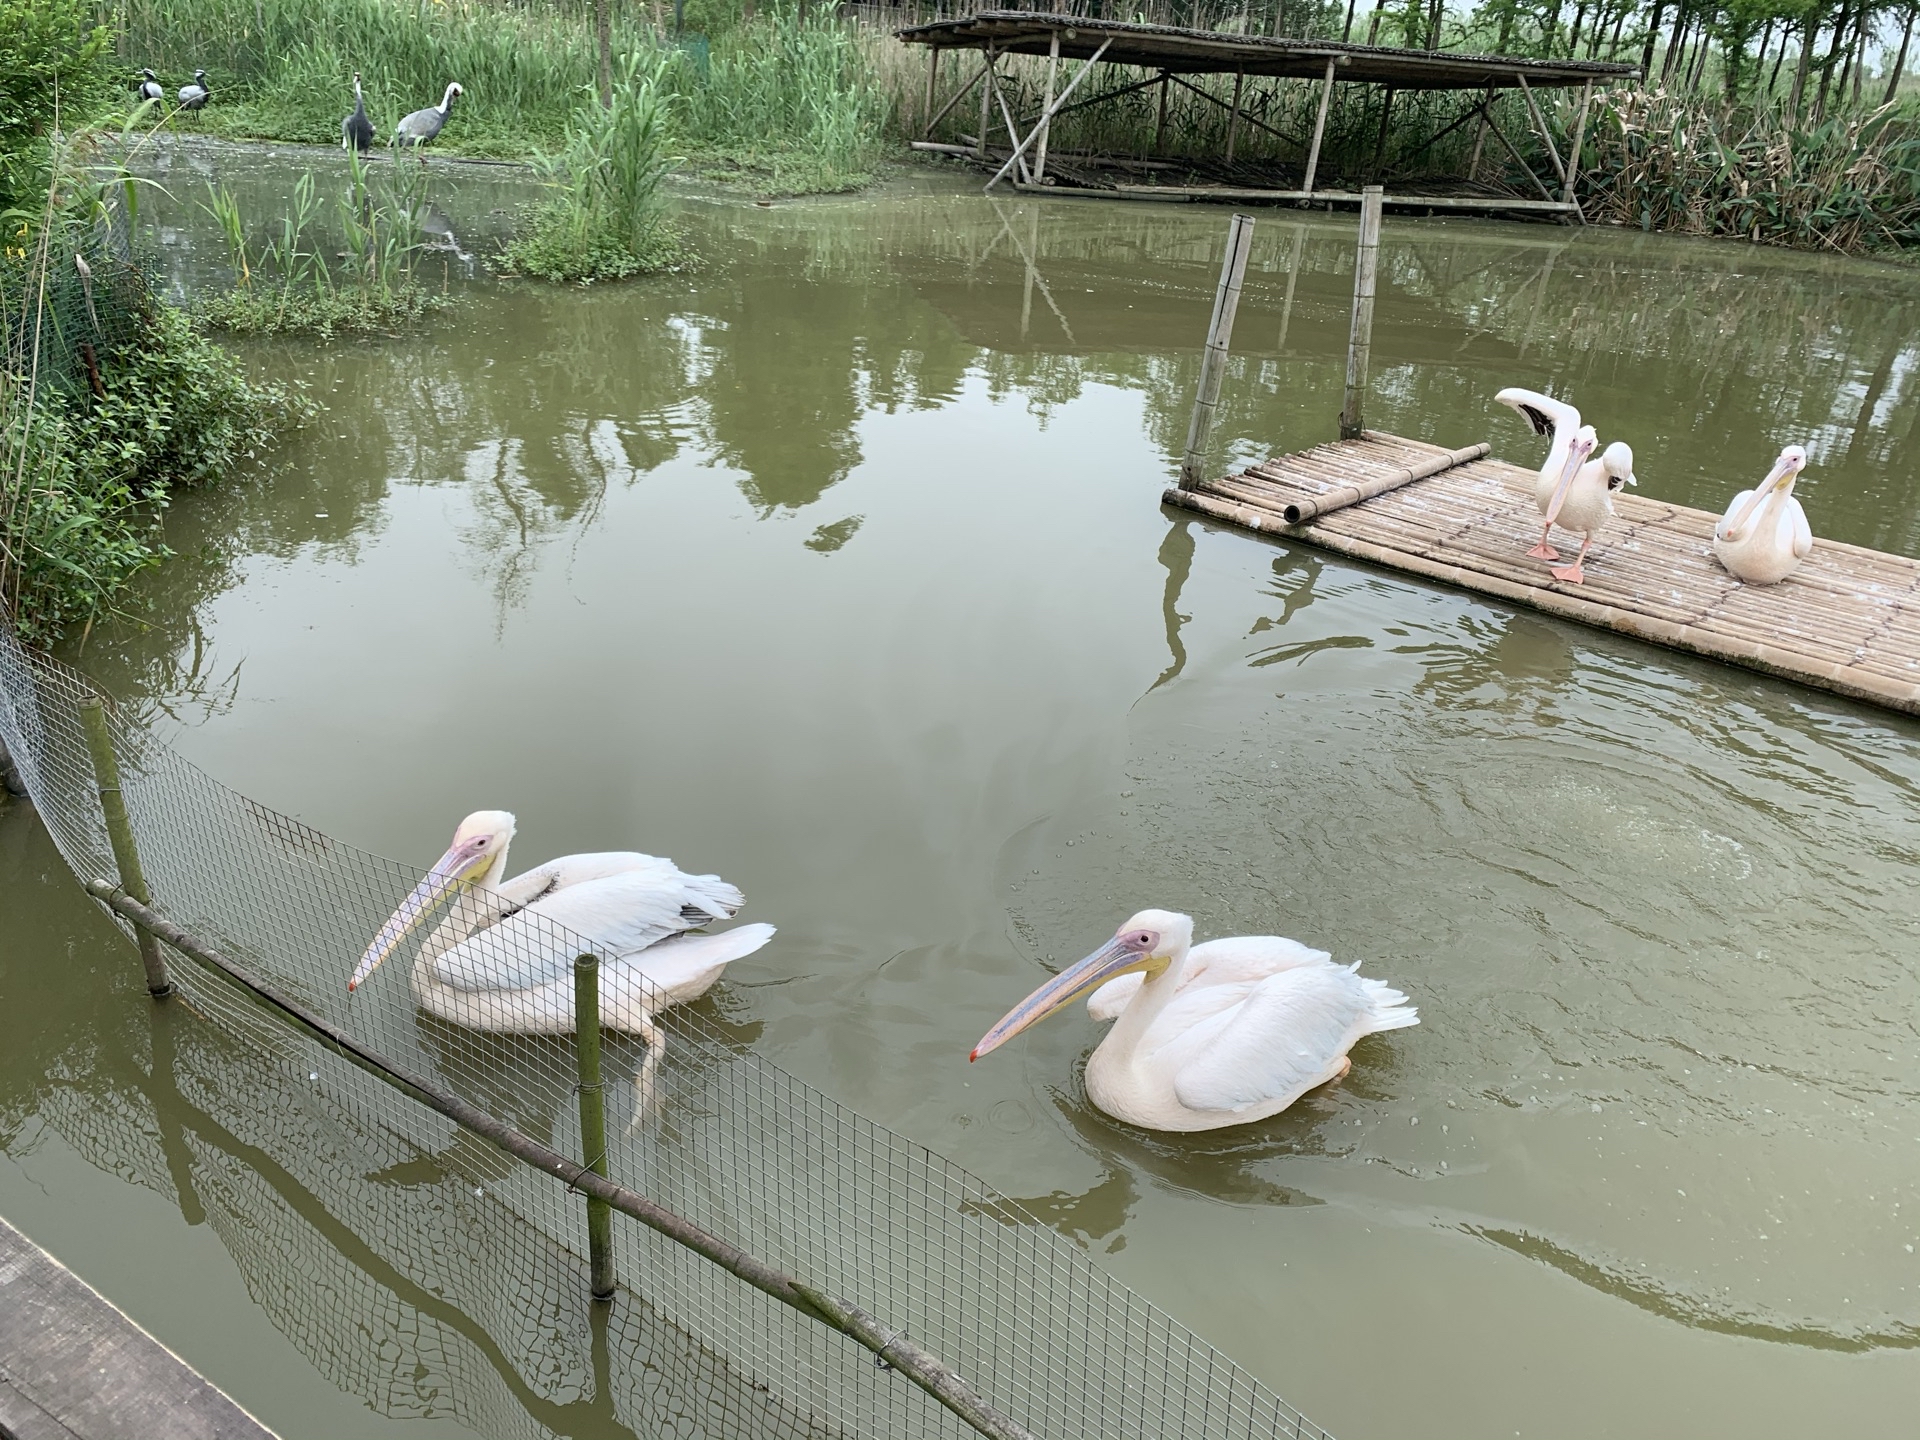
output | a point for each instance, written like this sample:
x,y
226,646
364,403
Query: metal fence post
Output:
x,y
593,1118
113,806
1360,338
1213,360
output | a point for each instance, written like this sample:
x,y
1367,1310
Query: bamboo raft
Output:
x,y
1847,621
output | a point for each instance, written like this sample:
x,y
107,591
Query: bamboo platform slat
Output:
x,y
1847,621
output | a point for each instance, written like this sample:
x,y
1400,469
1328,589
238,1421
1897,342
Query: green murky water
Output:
x,y
837,567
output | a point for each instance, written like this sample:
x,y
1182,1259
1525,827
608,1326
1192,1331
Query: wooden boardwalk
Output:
x,y
74,1368
1848,620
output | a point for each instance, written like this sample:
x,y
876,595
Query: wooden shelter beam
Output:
x,y
1573,152
1046,113
1520,160
957,96
1094,100
1021,145
1248,119
1540,128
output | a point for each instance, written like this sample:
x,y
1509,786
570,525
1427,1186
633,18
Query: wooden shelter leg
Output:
x,y
1233,117
1319,125
1540,128
1013,133
1479,139
1573,152
955,98
933,88
986,103
1160,125
1020,146
1380,140
1518,159
1046,113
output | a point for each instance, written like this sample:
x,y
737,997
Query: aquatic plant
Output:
x,y
606,220
108,401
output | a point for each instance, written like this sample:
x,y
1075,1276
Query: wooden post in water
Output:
x,y
1213,360
593,1118
113,806
1360,337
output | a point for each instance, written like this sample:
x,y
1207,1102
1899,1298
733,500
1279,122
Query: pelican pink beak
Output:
x,y
461,866
1785,471
1577,454
1127,952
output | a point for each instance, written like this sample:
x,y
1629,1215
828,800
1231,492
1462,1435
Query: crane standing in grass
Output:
x,y
150,87
196,95
356,131
422,125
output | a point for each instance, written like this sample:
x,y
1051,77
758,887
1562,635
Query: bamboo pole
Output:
x,y
1299,512
1046,112
593,1118
933,88
986,101
1020,146
920,1366
1479,140
1213,360
1319,126
1573,150
1160,125
1540,128
1380,140
126,857
955,98
1360,336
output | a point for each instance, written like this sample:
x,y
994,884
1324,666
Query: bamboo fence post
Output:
x,y
1213,360
1319,125
892,1346
593,1118
126,858
1046,113
1360,338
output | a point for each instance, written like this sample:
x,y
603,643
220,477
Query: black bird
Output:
x,y
422,125
196,95
150,87
356,131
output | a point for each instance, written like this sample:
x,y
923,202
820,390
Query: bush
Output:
x,y
607,222
49,60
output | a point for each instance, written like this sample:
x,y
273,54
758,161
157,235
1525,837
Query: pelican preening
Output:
x,y
422,125
1231,1032
1764,535
502,957
1574,491
356,131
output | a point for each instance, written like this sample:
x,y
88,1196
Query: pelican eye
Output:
x,y
1141,940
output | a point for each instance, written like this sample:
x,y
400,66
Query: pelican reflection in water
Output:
x,y
1226,1033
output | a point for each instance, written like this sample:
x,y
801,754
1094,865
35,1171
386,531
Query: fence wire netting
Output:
x,y
429,1272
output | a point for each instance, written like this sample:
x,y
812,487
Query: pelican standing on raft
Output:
x,y
1231,1032
502,958
1764,535
1574,491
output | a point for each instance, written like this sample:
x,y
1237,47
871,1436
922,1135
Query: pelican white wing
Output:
x,y
621,901
1545,414
1286,1036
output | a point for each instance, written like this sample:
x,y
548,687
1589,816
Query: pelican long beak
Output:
x,y
1115,957
1577,454
1782,476
454,871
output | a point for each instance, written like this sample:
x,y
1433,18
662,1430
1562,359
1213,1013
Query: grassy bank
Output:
x,y
776,102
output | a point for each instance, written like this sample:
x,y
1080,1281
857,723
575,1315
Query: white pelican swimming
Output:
x,y
1232,1032
1764,535
1574,491
502,958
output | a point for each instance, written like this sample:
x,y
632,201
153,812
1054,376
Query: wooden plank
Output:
x,y
1847,621
1242,193
71,1365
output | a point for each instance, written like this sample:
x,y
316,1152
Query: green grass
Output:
x,y
776,103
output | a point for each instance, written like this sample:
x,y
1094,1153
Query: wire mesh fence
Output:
x,y
459,1273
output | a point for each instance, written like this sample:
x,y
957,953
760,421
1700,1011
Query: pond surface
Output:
x,y
836,566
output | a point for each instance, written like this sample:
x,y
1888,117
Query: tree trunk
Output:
x,y
1653,30
1900,64
1434,13
1613,45
1803,67
1840,27
1680,18
1579,21
1347,34
1859,60
1700,57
